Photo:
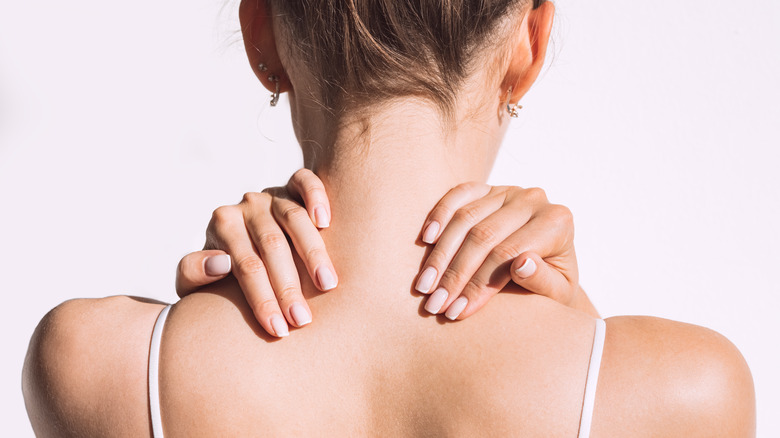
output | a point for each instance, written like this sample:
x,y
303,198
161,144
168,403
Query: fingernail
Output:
x,y
326,278
279,325
527,270
217,265
456,307
321,216
431,231
425,282
300,315
436,300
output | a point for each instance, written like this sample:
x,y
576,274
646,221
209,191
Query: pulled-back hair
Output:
x,y
365,51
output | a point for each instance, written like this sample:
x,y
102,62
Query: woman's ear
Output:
x,y
528,54
260,44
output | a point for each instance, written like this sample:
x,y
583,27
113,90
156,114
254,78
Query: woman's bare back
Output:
x,y
518,368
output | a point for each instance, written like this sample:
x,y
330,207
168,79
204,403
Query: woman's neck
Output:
x,y
383,176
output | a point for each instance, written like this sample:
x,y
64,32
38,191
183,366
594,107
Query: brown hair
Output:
x,y
366,51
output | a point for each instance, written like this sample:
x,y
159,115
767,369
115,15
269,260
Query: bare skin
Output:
x,y
390,373
369,364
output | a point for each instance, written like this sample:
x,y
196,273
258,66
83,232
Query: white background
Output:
x,y
124,124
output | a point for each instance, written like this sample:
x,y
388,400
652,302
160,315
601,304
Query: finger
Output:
x,y
220,217
307,186
274,251
200,268
532,273
452,238
252,276
444,210
228,232
483,240
307,241
538,236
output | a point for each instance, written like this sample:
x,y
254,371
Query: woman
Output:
x,y
394,103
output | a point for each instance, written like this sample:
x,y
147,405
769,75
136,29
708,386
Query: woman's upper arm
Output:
x,y
86,368
665,378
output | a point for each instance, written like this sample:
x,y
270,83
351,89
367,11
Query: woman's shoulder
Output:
x,y
667,378
84,353
658,377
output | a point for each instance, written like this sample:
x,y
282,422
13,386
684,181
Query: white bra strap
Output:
x,y
154,375
586,418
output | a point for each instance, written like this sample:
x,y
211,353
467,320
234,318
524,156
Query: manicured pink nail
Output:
x,y
279,325
528,269
300,315
425,282
436,300
321,216
217,265
326,278
456,308
430,232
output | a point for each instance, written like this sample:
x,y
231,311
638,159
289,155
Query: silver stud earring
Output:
x,y
262,67
275,96
513,110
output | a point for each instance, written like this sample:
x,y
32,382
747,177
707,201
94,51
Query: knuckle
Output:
x,y
495,190
251,265
292,213
263,306
561,215
271,241
223,215
254,198
287,292
452,278
437,258
312,190
470,188
468,214
514,192
536,194
504,252
441,211
475,288
315,253
482,235
466,186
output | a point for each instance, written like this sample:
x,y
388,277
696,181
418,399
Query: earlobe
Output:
x,y
260,45
529,54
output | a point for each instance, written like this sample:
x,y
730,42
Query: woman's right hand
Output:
x,y
250,240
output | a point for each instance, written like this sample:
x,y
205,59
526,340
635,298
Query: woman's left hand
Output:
x,y
487,236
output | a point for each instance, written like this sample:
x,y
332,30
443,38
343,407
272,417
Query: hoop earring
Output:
x,y
275,96
513,110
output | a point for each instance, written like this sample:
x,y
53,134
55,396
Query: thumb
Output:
x,y
535,275
200,268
